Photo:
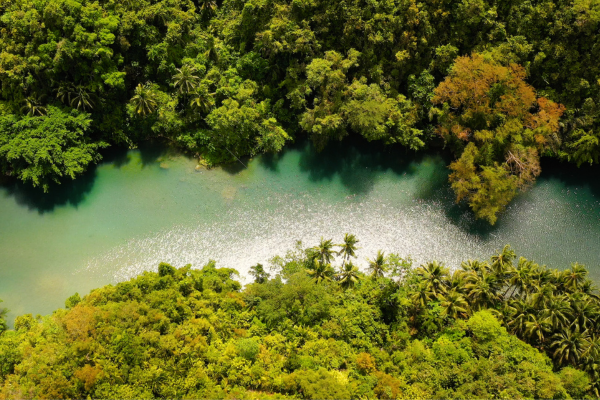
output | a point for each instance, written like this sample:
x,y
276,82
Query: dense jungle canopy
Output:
x,y
500,83
312,326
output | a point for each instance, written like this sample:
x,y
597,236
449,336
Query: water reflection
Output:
x,y
132,212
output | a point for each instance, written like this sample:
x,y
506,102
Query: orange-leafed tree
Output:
x,y
494,119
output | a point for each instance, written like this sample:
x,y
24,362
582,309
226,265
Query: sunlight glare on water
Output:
x,y
143,207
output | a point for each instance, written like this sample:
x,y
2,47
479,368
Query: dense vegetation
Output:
x,y
317,328
501,82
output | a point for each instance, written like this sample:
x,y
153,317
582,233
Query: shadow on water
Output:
x,y
356,162
74,192
571,176
270,161
70,193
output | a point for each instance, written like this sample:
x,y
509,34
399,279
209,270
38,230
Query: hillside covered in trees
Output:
x,y
313,327
500,83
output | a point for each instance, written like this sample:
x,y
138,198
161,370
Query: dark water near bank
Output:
x,y
144,206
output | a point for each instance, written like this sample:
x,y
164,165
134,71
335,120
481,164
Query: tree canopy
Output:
x,y
506,328
227,79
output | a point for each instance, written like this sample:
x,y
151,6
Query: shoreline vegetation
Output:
x,y
312,325
500,85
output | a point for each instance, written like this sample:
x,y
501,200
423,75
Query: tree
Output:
x,y
454,304
488,105
575,277
202,99
348,248
258,272
144,100
76,97
49,148
434,275
184,80
324,251
349,275
320,271
378,266
482,290
569,346
32,106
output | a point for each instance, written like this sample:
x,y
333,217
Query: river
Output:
x,y
140,207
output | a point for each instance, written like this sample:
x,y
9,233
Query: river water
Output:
x,y
141,207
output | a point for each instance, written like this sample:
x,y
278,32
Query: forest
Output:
x,y
500,84
312,326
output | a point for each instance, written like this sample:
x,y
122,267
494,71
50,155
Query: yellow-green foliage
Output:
x,y
186,333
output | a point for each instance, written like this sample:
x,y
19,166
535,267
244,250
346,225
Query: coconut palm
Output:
x,y
502,262
453,304
349,275
482,290
458,280
207,7
569,346
575,277
435,275
185,79
32,106
77,97
537,328
348,248
320,271
202,99
556,312
474,266
542,294
520,313
324,251
521,280
420,296
583,311
377,266
144,100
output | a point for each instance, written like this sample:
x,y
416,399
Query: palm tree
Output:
x,y
33,106
207,7
453,304
321,271
570,346
349,275
521,280
459,279
435,275
324,251
377,266
184,80
144,100
202,100
482,290
575,277
420,296
348,248
542,295
584,311
475,266
520,313
556,311
502,262
77,97
537,328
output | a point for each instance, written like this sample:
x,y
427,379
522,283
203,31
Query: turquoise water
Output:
x,y
141,207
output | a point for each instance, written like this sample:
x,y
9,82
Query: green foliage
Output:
x,y
46,148
194,333
223,80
